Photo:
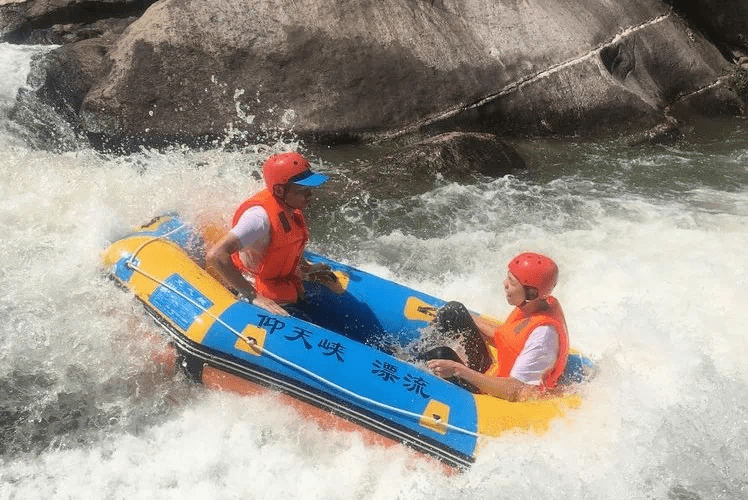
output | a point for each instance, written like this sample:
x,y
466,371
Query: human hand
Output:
x,y
319,272
444,368
269,305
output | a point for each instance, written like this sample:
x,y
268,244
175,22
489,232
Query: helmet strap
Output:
x,y
531,293
279,192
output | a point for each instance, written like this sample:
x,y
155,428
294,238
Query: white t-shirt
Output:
x,y
537,357
253,230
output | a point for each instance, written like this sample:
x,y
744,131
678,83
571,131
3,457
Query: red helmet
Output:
x,y
536,271
290,167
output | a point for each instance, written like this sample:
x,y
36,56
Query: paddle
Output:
x,y
419,310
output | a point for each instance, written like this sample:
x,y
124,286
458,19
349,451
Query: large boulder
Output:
x,y
360,69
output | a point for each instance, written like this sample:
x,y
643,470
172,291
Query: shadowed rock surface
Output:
x,y
455,156
65,21
724,21
466,154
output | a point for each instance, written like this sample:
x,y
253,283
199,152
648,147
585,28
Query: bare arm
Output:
x,y
487,326
219,258
507,388
536,358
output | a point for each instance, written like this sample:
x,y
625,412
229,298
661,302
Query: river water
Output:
x,y
651,243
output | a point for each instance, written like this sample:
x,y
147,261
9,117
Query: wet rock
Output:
x,y
738,81
450,157
58,84
666,133
13,22
325,71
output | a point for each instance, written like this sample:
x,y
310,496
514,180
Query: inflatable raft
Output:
x,y
342,367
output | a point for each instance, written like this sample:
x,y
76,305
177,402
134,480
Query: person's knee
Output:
x,y
441,352
452,316
455,307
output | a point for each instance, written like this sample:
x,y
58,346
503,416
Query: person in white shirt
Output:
x,y
261,257
532,345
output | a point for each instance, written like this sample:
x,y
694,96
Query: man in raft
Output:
x,y
268,236
531,346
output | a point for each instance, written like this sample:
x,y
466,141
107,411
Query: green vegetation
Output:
x,y
738,82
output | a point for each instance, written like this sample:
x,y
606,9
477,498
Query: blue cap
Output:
x,y
307,178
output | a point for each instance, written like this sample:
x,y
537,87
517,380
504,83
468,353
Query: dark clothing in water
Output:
x,y
454,320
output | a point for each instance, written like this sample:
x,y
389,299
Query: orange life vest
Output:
x,y
275,275
511,336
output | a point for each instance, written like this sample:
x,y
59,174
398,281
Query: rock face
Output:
x,y
347,70
456,156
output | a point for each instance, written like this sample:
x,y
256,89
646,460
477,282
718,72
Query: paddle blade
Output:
x,y
417,309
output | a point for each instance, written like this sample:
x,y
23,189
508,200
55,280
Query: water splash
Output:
x,y
653,274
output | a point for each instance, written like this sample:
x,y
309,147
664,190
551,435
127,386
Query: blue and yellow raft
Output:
x,y
339,367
